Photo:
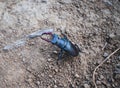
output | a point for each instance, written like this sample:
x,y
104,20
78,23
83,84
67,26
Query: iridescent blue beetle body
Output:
x,y
65,45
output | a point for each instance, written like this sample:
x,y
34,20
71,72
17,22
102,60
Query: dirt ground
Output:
x,y
89,23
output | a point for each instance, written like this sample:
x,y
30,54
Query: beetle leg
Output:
x,y
64,35
60,55
77,47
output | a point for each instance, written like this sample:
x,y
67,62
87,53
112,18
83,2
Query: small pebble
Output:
x,y
55,86
98,82
60,85
42,74
71,86
31,43
49,59
101,77
118,66
105,55
55,81
77,76
29,80
29,69
50,76
117,76
56,70
86,86
44,1
69,80
48,87
117,69
105,83
119,58
38,82
55,52
107,2
65,85
23,60
112,35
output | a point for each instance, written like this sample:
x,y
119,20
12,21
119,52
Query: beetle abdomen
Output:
x,y
72,49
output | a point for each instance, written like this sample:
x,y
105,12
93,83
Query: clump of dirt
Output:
x,y
92,24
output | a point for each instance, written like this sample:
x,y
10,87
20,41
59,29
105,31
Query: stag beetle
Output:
x,y
64,44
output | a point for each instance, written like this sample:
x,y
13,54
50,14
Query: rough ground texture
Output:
x,y
89,23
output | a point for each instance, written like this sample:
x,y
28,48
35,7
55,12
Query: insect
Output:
x,y
64,44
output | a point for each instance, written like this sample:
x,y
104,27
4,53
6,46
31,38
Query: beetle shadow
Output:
x,y
65,58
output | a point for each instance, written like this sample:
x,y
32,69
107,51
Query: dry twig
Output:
x,y
101,65
104,46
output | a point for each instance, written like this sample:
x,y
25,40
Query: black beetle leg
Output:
x,y
60,55
64,35
77,47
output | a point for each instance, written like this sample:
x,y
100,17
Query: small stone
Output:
x,y
38,82
71,86
98,82
19,84
43,1
119,58
107,2
106,11
42,74
65,85
23,60
108,61
117,69
29,80
50,66
105,84
117,76
49,59
92,0
101,77
48,87
60,85
55,81
55,86
118,66
86,86
15,60
30,76
87,77
50,76
77,76
29,69
97,62
56,70
31,43
112,35
105,54
69,80
55,52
